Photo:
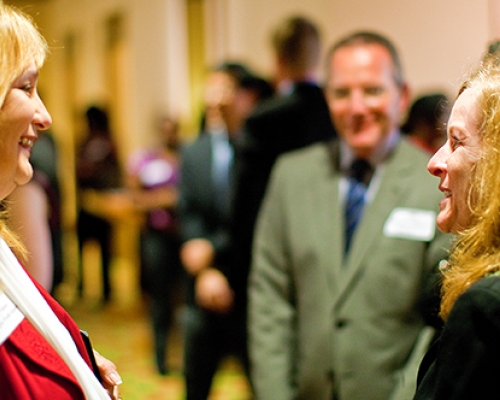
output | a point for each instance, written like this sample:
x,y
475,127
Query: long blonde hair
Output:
x,y
476,250
21,45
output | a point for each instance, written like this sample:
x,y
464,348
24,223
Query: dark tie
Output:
x,y
358,178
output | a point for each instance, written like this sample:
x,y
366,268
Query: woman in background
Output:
x,y
152,177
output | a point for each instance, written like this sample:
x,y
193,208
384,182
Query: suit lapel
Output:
x,y
396,178
205,172
328,218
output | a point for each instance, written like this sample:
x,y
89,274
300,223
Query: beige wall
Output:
x,y
438,41
152,71
148,70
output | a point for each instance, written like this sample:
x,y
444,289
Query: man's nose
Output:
x,y
357,102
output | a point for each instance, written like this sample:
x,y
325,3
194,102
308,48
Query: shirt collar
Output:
x,y
347,156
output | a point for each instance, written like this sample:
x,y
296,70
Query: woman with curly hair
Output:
x,y
465,361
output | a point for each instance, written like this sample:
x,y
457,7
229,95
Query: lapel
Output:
x,y
327,217
204,171
397,176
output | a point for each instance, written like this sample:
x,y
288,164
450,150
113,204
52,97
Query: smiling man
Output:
x,y
346,246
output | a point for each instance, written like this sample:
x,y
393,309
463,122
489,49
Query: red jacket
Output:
x,y
31,369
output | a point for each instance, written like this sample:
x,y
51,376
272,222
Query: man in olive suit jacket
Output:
x,y
326,321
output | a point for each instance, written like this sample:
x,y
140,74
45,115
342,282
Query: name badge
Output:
x,y
10,317
411,223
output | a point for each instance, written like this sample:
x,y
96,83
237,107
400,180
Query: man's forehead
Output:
x,y
360,62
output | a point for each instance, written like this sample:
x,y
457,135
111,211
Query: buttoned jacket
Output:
x,y
319,322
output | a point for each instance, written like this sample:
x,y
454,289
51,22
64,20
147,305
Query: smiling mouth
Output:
x,y
26,142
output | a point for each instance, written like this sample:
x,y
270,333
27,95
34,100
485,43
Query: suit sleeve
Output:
x,y
469,357
272,333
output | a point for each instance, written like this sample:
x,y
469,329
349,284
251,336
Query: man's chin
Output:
x,y
361,145
362,151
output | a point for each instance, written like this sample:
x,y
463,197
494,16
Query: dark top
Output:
x,y
278,125
464,363
199,212
97,165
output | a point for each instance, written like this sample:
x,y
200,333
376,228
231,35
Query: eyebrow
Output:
x,y
31,72
457,129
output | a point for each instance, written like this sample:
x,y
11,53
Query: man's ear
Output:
x,y
405,99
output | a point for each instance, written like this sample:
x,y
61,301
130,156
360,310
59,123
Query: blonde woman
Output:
x,y
465,362
42,354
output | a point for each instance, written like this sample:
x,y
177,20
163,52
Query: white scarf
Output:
x,y
24,294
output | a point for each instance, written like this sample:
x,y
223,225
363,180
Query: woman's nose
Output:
x,y
42,118
437,163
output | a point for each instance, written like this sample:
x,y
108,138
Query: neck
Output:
x,y
376,156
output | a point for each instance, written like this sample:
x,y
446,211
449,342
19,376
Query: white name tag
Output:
x,y
10,317
411,223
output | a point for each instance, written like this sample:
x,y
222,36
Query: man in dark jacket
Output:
x,y
296,117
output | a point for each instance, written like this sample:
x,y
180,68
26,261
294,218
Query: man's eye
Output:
x,y
374,91
340,93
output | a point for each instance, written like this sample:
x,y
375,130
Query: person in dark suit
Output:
x,y
463,364
214,325
335,312
295,117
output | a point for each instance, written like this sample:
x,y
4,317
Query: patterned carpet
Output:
x,y
120,331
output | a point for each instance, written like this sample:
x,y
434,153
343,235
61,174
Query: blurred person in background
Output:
x,y
426,121
98,172
152,178
36,215
215,323
296,116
